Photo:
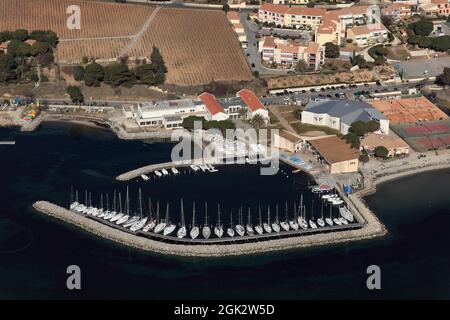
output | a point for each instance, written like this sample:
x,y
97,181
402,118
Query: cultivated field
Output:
x,y
199,46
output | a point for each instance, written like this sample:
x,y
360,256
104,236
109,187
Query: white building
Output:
x,y
340,114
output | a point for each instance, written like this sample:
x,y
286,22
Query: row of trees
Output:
x,y
418,34
119,74
188,123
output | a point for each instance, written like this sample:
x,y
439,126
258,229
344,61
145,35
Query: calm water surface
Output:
x,y
36,250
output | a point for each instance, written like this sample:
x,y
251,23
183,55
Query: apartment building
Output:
x,y
291,17
366,35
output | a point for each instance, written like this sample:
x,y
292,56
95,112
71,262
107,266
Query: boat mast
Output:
x,y
295,210
127,203
76,196
321,210
140,203
231,219
86,197
167,212
286,211
259,212
120,202
276,209
301,206
150,208
218,214
268,214
157,212
114,202
312,209
71,194
101,201
107,202
206,213
90,199
182,214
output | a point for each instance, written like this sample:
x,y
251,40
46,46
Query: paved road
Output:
x,y
253,56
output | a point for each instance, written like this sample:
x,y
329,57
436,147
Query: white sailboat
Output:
x,y
320,221
127,210
119,213
230,230
174,170
170,227
145,177
275,224
218,229
345,213
160,224
194,167
195,231
138,225
285,224
249,226
157,173
165,172
301,218
329,220
259,227
343,221
311,222
293,223
152,224
266,225
206,230
181,233
240,230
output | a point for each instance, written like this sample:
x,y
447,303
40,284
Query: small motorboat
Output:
x,y
158,174
312,224
165,172
174,170
144,177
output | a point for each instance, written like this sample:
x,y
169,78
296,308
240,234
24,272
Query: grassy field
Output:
x,y
302,128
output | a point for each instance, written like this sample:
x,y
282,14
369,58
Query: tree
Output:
x,y
444,78
226,7
159,66
331,50
8,66
117,74
387,20
188,122
78,73
364,158
145,74
84,60
310,4
39,48
353,139
94,74
257,121
5,36
75,94
256,74
301,66
20,35
19,48
422,27
243,113
46,36
381,152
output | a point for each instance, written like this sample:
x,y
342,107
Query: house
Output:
x,y
215,110
287,141
254,106
292,17
168,114
283,52
398,10
4,46
366,35
340,114
336,154
393,143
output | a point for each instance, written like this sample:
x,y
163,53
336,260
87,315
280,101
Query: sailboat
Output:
x,y
293,223
165,172
157,173
312,224
152,224
161,224
240,230
267,226
301,219
230,230
138,225
249,227
73,204
127,210
258,227
329,220
101,212
119,213
218,229
275,224
182,231
206,230
285,224
195,231
170,226
345,213
320,221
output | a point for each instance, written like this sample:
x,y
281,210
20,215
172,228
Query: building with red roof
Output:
x,y
215,111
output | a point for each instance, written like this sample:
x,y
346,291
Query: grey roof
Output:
x,y
173,118
229,102
348,111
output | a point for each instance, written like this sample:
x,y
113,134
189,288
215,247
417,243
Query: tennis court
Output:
x,y
425,136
